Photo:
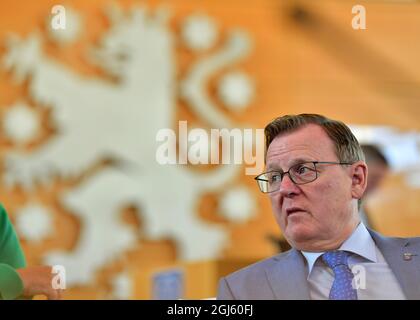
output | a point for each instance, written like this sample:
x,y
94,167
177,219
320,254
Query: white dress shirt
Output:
x,y
373,278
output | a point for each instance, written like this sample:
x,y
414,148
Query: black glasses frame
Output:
x,y
282,174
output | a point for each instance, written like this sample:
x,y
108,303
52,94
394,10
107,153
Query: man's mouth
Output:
x,y
293,210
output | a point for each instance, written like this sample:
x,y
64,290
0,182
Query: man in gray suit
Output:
x,y
315,177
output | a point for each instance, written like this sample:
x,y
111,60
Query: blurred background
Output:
x,y
84,93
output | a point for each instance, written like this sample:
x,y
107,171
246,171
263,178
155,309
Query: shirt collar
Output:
x,y
360,242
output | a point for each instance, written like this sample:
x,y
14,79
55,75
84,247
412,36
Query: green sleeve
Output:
x,y
11,258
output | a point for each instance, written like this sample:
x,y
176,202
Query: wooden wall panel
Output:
x,y
361,77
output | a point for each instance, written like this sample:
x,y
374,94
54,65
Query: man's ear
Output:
x,y
359,179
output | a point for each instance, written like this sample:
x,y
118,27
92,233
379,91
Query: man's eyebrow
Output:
x,y
300,160
274,167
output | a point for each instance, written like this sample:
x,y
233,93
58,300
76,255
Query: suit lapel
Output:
x,y
407,271
287,277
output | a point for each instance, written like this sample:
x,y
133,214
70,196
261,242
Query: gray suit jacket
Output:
x,y
285,276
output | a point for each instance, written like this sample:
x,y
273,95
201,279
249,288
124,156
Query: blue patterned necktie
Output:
x,y
342,288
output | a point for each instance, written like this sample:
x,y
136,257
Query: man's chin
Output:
x,y
298,234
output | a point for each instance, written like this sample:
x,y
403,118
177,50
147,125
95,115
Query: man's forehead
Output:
x,y
310,142
308,135
286,157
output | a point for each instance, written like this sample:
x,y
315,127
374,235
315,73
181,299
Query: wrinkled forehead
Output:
x,y
309,143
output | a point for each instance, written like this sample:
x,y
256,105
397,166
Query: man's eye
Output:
x,y
275,177
302,170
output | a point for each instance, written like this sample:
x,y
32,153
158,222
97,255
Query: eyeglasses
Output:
x,y
300,173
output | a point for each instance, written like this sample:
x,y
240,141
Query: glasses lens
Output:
x,y
263,184
300,173
269,182
303,172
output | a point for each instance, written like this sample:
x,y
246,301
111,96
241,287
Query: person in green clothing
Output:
x,y
16,279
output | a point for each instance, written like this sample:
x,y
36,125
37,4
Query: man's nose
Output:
x,y
287,187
